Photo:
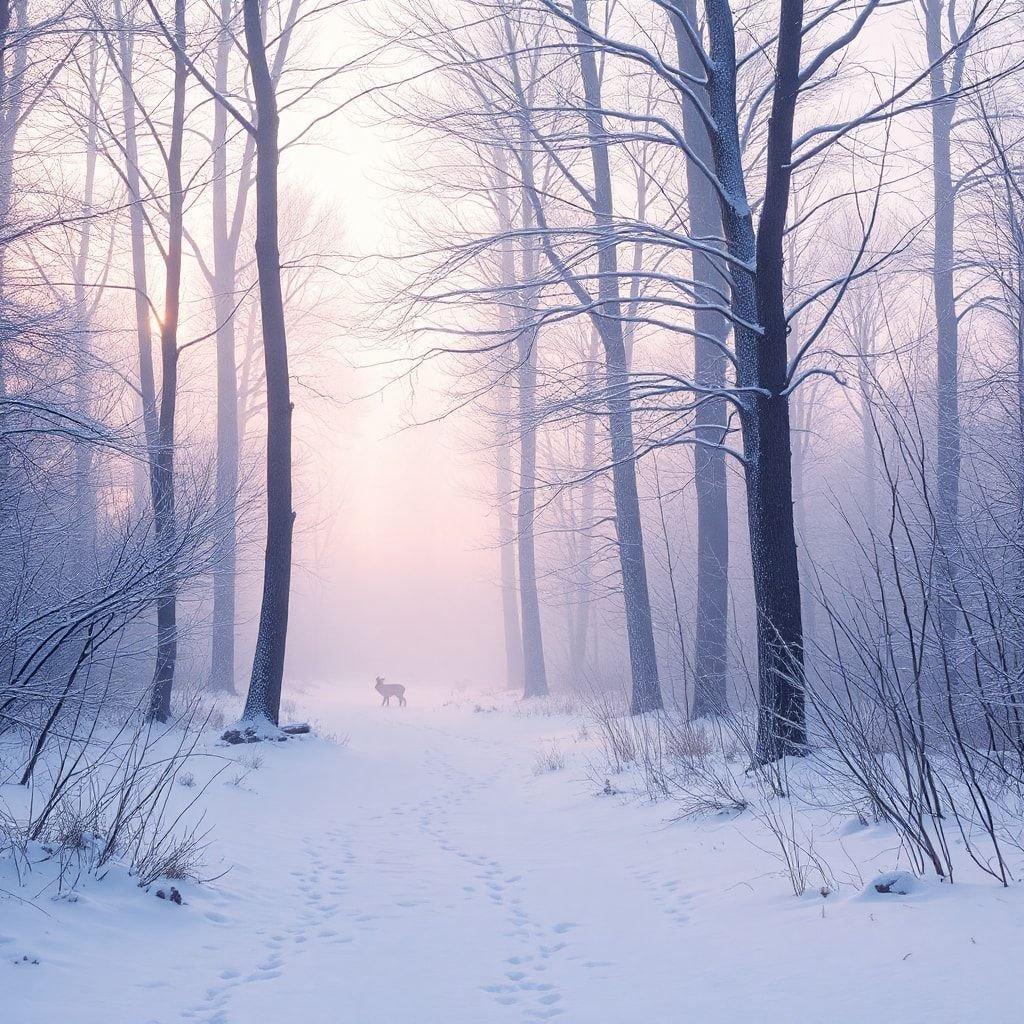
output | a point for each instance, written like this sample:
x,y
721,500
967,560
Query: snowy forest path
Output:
x,y
426,872
431,870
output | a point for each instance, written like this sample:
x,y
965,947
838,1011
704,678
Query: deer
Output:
x,y
389,690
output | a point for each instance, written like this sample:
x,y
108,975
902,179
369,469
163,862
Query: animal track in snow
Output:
x,y
317,898
665,893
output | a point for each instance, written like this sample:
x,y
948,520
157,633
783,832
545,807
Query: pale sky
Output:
x,y
398,576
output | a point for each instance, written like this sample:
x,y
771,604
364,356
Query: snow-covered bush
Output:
x,y
915,695
554,705
672,757
616,734
549,759
109,797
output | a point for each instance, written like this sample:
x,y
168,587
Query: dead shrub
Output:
x,y
549,759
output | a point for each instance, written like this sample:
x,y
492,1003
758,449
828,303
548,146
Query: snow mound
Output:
x,y
895,883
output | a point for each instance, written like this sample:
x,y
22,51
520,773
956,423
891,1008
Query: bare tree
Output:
x,y
510,619
944,34
762,370
120,49
263,701
229,221
646,690
85,305
710,332
227,229
163,467
534,670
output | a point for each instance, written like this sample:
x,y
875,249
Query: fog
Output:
x,y
398,551
511,510
397,548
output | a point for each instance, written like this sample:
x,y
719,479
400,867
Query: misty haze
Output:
x,y
511,511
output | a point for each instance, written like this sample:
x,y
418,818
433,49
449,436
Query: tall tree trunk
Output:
x,y
264,697
1019,317
868,457
137,231
535,680
225,248
581,617
646,690
1016,638
943,109
85,498
5,33
758,298
710,695
163,489
507,527
227,232
530,663
13,61
507,541
865,330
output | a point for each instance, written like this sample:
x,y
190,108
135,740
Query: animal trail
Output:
x,y
317,897
665,893
524,984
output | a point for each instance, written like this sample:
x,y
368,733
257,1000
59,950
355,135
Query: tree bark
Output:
x,y
264,697
646,689
13,61
710,695
535,680
581,617
507,526
227,229
163,474
942,110
507,540
85,498
137,231
758,298
225,249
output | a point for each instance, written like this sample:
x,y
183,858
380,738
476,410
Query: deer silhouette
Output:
x,y
389,690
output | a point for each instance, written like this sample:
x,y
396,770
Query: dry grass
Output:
x,y
549,759
554,705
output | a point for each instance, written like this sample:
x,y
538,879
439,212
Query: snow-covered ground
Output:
x,y
424,872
